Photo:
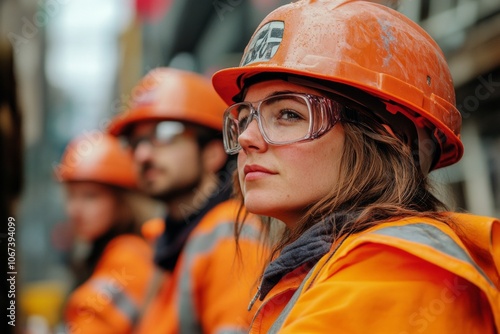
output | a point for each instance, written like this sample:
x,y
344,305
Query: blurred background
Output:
x,y
68,66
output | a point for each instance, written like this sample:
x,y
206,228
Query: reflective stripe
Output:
x,y
188,319
275,328
432,236
117,296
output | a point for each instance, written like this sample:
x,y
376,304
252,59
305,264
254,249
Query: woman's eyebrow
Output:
x,y
278,92
281,92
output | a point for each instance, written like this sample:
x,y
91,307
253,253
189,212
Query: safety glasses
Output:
x,y
164,133
282,119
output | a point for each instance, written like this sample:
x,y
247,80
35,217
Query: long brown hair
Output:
x,y
379,180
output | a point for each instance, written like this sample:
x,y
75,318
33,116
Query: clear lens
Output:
x,y
285,118
231,131
167,130
164,133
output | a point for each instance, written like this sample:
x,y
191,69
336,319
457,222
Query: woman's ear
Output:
x,y
213,156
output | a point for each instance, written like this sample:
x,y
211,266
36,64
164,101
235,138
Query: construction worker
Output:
x,y
99,177
173,128
340,109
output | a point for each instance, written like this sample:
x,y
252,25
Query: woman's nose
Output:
x,y
251,137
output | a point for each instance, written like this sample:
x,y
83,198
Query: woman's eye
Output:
x,y
242,120
242,114
288,114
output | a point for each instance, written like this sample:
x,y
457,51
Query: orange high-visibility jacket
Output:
x,y
111,299
411,276
211,284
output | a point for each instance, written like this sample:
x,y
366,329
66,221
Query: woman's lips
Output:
x,y
254,172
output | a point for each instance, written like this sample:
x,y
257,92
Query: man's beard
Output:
x,y
171,193
168,195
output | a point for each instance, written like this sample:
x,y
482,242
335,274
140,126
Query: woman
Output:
x,y
99,178
340,110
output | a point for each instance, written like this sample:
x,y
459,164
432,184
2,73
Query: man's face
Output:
x,y
168,158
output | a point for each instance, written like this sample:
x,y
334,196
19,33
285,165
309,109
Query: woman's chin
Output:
x,y
258,206
278,210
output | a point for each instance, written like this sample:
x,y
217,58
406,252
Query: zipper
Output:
x,y
254,299
263,305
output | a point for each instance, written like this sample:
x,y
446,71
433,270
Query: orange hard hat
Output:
x,y
172,94
359,44
97,157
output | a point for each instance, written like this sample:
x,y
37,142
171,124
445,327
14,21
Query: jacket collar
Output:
x,y
306,250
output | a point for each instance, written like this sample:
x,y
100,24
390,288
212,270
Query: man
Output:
x,y
173,128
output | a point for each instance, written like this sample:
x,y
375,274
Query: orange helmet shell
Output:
x,y
360,44
97,157
171,94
